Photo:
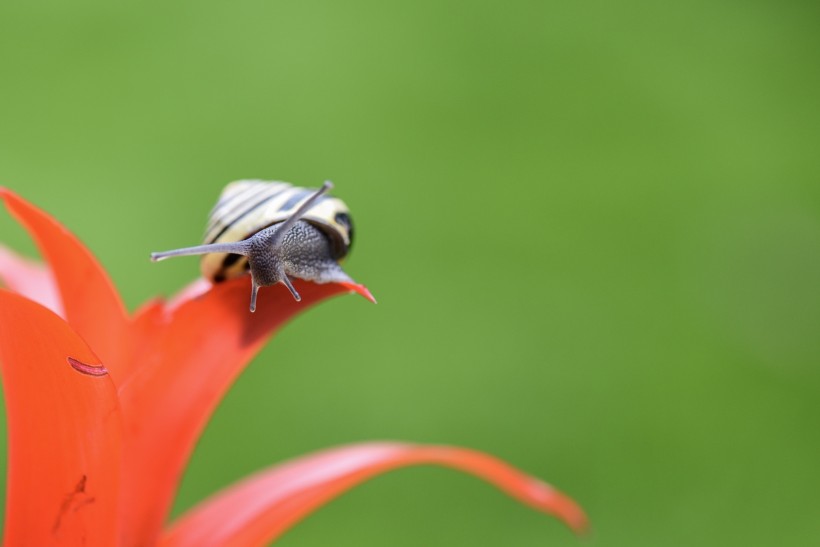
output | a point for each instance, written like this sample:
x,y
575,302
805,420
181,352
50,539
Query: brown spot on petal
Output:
x,y
91,370
73,501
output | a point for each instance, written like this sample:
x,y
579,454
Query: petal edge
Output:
x,y
185,368
53,410
90,301
264,506
31,279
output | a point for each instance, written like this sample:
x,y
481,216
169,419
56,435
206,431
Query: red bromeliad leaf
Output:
x,y
187,356
30,279
91,304
264,506
64,432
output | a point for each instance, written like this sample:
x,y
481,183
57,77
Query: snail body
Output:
x,y
274,230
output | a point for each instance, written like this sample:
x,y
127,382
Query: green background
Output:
x,y
593,229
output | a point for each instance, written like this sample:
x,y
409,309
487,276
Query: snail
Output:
x,y
274,230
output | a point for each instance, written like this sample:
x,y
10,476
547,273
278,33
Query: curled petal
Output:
x,y
64,431
91,304
361,290
189,353
30,279
264,506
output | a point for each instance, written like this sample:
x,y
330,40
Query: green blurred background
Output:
x,y
593,229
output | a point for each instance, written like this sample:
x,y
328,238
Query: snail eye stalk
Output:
x,y
265,248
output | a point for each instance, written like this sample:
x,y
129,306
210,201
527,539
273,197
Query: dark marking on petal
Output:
x,y
80,488
90,370
82,503
73,501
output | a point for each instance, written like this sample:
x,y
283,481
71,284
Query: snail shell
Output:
x,y
247,206
274,230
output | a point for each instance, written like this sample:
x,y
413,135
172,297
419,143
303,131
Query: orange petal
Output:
x,y
30,279
91,303
64,432
264,506
189,354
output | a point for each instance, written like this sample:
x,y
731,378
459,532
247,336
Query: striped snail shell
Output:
x,y
247,206
275,230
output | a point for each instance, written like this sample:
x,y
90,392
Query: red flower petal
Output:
x,y
91,303
264,506
64,432
30,279
189,355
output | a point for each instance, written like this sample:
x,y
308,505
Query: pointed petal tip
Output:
x,y
91,303
5,193
358,289
9,196
264,506
550,501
